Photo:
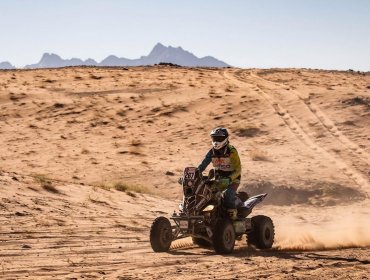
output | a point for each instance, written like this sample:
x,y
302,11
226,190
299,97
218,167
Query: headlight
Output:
x,y
208,208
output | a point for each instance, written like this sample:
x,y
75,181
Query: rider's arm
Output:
x,y
235,161
206,161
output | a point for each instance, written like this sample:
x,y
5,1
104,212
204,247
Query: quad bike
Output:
x,y
203,217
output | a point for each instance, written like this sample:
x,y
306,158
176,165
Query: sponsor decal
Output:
x,y
221,163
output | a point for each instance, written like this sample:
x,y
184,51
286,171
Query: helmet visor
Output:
x,y
218,138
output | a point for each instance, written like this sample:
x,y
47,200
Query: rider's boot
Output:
x,y
232,213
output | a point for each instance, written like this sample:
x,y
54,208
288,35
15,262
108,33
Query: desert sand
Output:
x,y
90,156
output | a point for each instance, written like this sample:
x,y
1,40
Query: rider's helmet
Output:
x,y
220,137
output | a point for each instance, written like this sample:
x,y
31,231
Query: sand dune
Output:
x,y
90,156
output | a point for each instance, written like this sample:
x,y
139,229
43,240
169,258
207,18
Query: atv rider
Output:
x,y
226,162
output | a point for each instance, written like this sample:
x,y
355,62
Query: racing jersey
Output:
x,y
225,161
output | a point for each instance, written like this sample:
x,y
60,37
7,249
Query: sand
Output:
x,y
68,135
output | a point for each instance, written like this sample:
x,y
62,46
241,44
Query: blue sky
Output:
x,y
329,34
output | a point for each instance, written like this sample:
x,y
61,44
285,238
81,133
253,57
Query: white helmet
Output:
x,y
220,137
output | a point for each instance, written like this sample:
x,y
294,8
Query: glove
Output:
x,y
180,180
222,183
225,181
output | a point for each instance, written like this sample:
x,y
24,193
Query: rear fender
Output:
x,y
254,200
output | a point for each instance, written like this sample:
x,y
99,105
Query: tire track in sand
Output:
x,y
298,129
325,121
330,127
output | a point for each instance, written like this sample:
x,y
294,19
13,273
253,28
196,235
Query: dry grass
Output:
x,y
120,187
247,131
96,201
136,142
95,77
229,89
121,113
130,189
103,186
175,109
46,183
13,97
212,91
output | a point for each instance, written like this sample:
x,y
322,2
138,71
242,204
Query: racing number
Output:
x,y
189,174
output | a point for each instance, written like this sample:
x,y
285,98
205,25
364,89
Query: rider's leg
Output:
x,y
229,194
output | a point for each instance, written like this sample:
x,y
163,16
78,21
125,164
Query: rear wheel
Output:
x,y
224,237
161,235
263,233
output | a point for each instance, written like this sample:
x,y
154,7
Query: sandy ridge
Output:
x,y
297,128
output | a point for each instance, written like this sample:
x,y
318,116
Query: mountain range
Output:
x,y
159,54
6,65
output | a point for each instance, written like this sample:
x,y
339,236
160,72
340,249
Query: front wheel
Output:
x,y
161,235
263,233
224,237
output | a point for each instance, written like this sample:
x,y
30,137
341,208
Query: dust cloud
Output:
x,y
333,228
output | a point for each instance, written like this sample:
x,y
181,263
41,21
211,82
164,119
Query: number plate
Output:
x,y
189,173
184,224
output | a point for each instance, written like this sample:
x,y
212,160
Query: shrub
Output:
x,y
45,183
95,77
120,187
130,189
121,113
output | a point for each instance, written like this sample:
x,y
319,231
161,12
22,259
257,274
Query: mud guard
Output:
x,y
254,200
